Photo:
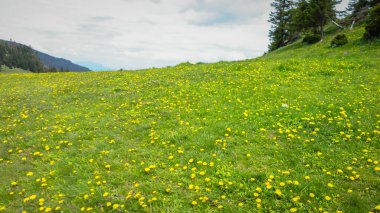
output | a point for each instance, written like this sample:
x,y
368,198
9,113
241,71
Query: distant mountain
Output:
x,y
94,66
14,54
60,63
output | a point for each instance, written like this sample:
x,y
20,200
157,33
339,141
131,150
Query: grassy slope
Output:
x,y
239,136
5,69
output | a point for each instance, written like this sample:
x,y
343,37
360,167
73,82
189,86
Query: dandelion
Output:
x,y
296,199
278,192
115,206
293,210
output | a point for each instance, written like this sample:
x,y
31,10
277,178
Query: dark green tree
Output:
x,y
301,18
372,29
321,11
280,18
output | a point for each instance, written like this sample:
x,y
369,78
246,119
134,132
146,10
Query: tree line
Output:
x,y
13,54
293,18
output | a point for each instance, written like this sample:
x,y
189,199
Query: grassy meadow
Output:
x,y
296,130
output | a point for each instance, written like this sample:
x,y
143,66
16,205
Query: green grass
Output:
x,y
297,129
4,69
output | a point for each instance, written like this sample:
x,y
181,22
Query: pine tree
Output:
x,y
280,19
301,19
321,11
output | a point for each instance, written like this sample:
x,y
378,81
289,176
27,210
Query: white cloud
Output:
x,y
139,33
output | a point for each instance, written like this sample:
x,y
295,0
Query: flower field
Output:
x,y
296,130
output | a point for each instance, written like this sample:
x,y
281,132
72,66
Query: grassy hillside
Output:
x,y
295,130
5,69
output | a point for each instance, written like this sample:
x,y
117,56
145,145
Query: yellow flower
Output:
x,y
278,192
194,203
29,174
293,209
327,198
115,206
296,199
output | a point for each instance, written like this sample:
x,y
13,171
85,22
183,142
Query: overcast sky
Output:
x,y
139,33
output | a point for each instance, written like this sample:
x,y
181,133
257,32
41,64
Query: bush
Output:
x,y
372,30
311,39
339,40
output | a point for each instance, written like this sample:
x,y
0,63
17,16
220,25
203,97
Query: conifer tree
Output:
x,y
320,12
280,19
301,19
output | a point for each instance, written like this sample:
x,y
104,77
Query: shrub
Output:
x,y
311,39
339,40
372,30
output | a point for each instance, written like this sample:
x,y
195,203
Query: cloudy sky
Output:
x,y
139,33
